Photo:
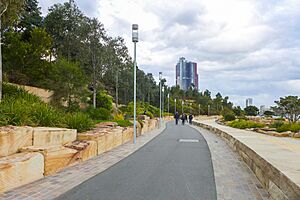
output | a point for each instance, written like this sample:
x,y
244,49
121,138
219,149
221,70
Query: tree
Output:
x,y
289,106
251,111
269,113
8,13
68,82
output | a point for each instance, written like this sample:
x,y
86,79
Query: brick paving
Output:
x,y
234,180
53,186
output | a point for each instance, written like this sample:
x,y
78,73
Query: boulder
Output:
x,y
86,149
13,138
109,141
127,135
297,135
118,140
45,136
97,136
55,157
20,169
106,125
145,128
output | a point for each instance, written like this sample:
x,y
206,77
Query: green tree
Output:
x,y
289,107
68,82
251,111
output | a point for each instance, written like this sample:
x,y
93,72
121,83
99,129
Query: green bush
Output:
x,y
276,124
229,117
79,121
123,123
149,114
294,127
243,124
103,100
99,113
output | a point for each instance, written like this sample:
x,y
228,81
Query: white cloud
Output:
x,y
244,48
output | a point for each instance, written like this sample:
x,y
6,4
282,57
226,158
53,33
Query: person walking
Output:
x,y
190,118
183,118
176,116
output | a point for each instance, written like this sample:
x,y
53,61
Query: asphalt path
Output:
x,y
166,168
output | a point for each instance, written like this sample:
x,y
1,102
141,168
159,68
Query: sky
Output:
x,y
244,48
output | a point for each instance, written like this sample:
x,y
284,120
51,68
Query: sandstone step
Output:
x,y
86,149
20,169
56,157
12,138
118,136
46,136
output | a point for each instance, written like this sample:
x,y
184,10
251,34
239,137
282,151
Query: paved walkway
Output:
x,y
234,180
176,165
55,185
282,153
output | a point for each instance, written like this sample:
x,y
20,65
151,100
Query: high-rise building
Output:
x,y
249,102
186,74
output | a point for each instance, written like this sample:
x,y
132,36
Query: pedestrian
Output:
x,y
190,118
183,118
176,116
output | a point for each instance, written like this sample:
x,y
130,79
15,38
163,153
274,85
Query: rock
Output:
x,y
145,128
143,117
20,169
106,125
45,136
118,140
13,138
153,124
55,157
86,149
297,135
127,134
97,136
268,129
261,131
109,141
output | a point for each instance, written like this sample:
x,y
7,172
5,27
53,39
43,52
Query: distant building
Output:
x,y
262,109
186,74
249,102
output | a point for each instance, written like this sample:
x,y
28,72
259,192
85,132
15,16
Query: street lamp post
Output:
x,y
168,103
160,77
182,104
135,39
199,109
163,101
175,105
208,110
190,108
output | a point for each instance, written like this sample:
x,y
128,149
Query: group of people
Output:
x,y
183,118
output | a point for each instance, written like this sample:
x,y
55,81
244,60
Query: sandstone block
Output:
x,y
20,169
97,135
45,136
86,149
118,140
55,157
145,127
109,141
297,135
12,138
127,134
107,125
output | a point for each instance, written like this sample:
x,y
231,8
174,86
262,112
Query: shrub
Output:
x,y
79,121
243,124
276,124
103,100
118,117
294,127
148,113
99,113
123,123
229,117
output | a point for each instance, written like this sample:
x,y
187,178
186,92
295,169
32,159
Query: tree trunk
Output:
x,y
0,60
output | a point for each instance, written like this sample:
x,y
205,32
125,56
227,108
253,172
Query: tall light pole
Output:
x,y
160,77
2,11
199,109
175,105
135,39
168,103
182,104
190,108
208,110
163,101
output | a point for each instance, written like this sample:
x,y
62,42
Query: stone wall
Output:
x,y
276,183
30,153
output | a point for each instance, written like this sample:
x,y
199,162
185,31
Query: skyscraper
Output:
x,y
186,74
249,102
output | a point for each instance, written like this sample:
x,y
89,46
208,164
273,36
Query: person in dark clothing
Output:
x,y
176,116
190,118
183,118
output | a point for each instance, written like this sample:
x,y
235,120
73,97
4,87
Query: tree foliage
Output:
x,y
288,107
251,110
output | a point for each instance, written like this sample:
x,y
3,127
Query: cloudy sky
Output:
x,y
244,48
